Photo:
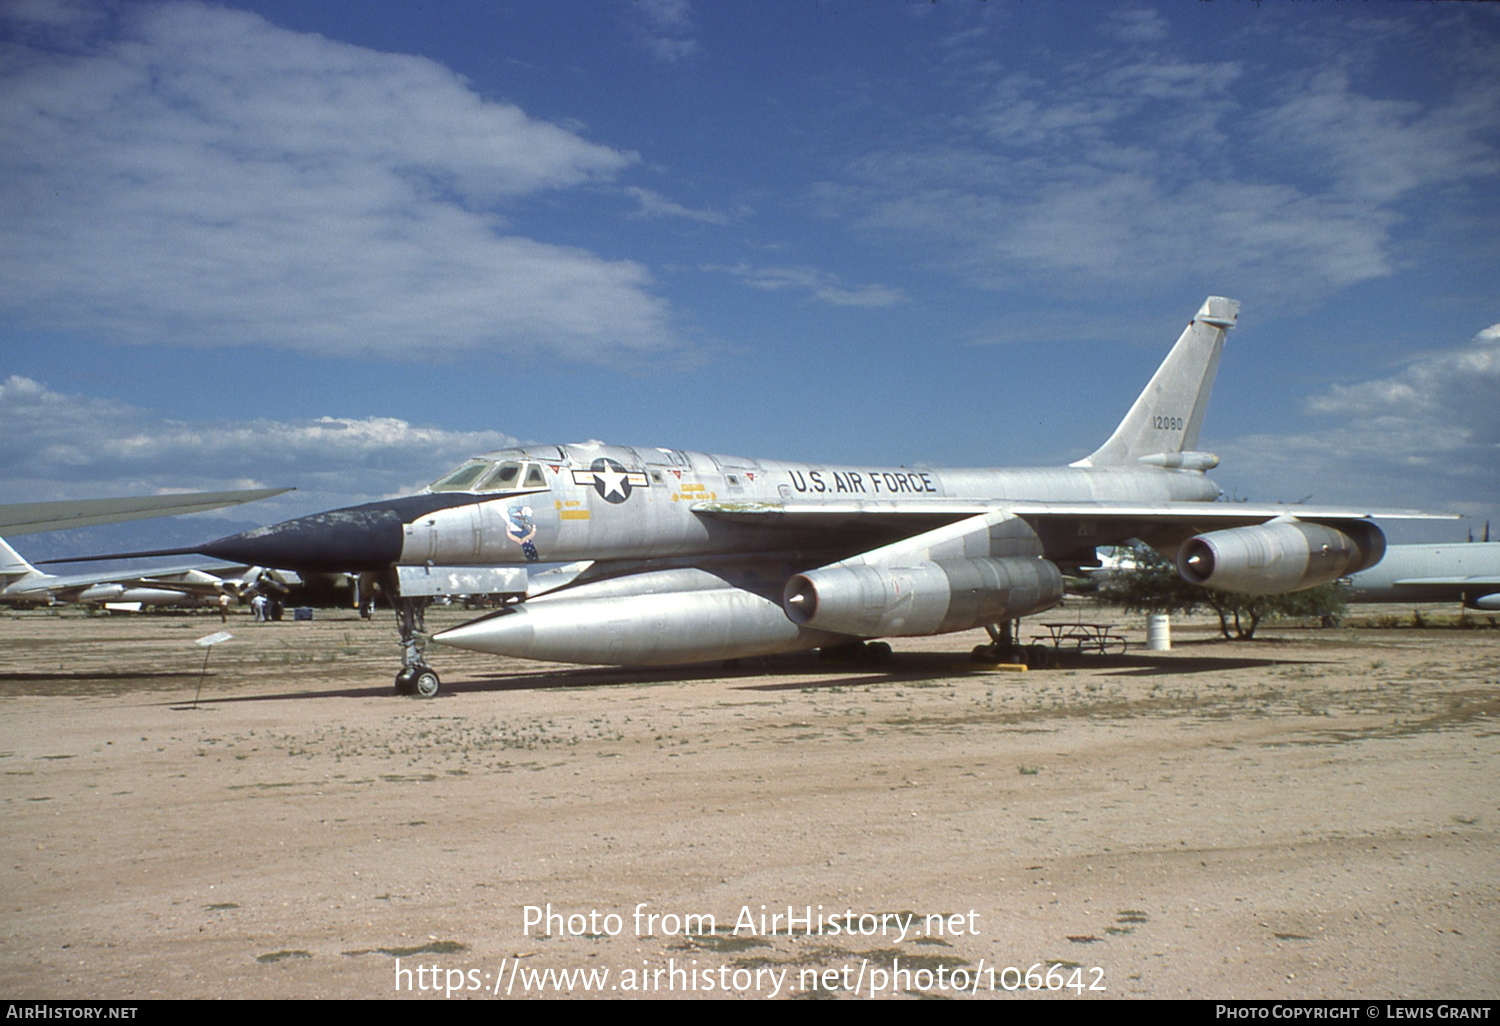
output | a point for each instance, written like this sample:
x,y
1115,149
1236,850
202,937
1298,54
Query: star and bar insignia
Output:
x,y
611,480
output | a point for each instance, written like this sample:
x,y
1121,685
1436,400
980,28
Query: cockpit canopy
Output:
x,y
502,472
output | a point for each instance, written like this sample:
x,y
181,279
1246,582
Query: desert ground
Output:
x,y
1312,814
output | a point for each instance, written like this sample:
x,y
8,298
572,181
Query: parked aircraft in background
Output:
x,y
196,585
33,517
1467,572
688,556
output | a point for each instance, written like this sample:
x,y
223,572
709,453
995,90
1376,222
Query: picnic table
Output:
x,y
1083,637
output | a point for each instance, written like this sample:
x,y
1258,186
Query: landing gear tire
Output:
x,y
1038,657
421,681
427,684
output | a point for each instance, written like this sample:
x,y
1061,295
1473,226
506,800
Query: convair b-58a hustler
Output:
x,y
681,557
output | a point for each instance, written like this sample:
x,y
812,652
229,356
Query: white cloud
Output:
x,y
1427,437
1140,25
666,28
1132,166
1379,149
59,446
666,15
49,15
654,204
821,285
202,177
1451,392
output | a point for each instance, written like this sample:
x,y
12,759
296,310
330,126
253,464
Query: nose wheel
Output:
x,y
420,680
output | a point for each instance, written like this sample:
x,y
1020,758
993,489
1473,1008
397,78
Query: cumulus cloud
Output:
x,y
1427,436
1132,165
71,446
198,176
823,286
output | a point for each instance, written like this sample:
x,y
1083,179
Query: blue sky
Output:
x,y
343,245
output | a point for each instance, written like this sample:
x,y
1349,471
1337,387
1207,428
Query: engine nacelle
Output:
x,y
649,619
1280,556
926,598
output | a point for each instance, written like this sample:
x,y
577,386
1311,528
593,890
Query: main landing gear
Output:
x,y
416,677
1004,648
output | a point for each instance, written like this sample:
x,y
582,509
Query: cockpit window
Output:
x,y
484,476
462,478
504,477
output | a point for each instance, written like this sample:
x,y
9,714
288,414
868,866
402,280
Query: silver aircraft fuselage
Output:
x,y
650,504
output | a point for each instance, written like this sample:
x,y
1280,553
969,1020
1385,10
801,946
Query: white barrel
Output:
x,y
1159,632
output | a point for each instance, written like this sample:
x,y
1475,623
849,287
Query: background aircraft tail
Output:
x,y
1162,427
13,567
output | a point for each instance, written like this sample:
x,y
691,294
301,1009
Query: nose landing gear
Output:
x,y
413,588
416,677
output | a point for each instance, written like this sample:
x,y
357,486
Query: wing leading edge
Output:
x,y
34,517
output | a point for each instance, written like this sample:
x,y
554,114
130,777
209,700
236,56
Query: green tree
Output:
x,y
1155,586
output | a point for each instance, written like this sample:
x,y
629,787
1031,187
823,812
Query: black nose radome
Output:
x,y
353,539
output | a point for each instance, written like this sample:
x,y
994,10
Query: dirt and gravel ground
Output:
x,y
1313,814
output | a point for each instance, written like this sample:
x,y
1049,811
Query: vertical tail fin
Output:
x,y
12,566
1162,427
